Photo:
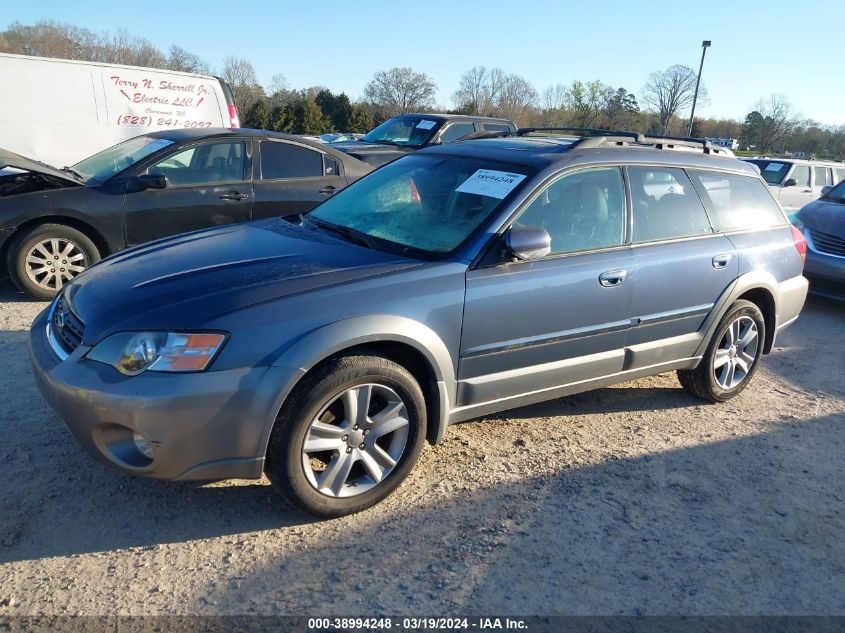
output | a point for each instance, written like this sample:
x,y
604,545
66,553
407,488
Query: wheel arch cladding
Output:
x,y
765,301
405,341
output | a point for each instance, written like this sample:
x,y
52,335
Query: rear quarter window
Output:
x,y
737,203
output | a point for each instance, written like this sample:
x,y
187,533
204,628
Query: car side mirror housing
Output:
x,y
528,242
790,183
826,189
147,181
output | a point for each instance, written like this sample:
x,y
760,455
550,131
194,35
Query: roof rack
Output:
x,y
595,137
581,131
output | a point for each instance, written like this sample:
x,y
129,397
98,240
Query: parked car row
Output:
x,y
56,222
436,289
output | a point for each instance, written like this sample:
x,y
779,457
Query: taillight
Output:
x,y
234,121
799,241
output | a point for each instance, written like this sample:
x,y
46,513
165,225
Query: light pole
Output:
x,y
704,46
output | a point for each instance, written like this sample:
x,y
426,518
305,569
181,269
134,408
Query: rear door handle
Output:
x,y
613,278
327,190
234,195
721,261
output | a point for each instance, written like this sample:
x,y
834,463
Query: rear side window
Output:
x,y
496,127
822,176
737,203
665,205
286,160
840,174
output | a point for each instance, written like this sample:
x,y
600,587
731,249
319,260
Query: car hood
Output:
x,y
372,153
187,281
825,216
10,159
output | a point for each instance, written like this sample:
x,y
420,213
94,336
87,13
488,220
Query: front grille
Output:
x,y
67,327
827,243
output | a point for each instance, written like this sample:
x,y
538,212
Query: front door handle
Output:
x,y
613,278
234,195
721,261
327,190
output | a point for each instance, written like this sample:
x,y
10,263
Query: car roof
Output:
x,y
180,135
541,152
440,116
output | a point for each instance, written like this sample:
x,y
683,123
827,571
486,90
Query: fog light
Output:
x,y
142,445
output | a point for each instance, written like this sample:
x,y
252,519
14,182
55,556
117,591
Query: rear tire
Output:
x,y
732,356
44,258
347,436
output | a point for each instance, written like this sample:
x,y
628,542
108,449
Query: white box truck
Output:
x,y
60,111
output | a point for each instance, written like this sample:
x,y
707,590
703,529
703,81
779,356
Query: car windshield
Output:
x,y
428,204
103,165
410,131
837,194
772,171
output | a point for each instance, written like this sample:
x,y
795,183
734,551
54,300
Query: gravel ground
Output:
x,y
636,499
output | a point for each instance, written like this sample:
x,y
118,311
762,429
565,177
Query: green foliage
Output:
x,y
309,119
258,116
283,119
361,121
336,107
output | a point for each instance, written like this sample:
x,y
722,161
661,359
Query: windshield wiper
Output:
x,y
73,173
349,234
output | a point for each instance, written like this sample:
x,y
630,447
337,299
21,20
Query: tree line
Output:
x,y
661,109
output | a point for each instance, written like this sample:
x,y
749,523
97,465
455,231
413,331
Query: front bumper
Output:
x,y
205,425
824,267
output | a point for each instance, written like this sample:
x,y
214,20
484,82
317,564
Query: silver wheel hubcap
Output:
x,y
356,440
736,353
53,262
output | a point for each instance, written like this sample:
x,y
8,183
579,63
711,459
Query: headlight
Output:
x,y
134,352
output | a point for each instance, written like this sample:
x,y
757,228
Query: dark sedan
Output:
x,y
56,222
823,224
401,135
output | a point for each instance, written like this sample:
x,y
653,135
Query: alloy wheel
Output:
x,y
356,440
53,262
737,352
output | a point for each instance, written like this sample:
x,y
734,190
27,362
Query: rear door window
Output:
x,y
496,127
737,203
665,205
454,131
286,160
840,174
822,176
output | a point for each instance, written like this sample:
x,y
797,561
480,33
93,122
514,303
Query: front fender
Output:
x,y
330,339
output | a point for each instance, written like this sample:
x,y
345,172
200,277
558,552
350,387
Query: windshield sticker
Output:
x,y
491,183
774,166
426,125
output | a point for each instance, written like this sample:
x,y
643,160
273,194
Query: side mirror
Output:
x,y
147,181
528,242
826,189
790,183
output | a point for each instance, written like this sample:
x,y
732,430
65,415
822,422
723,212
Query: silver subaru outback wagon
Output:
x,y
449,284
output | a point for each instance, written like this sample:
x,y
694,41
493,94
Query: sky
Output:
x,y
759,48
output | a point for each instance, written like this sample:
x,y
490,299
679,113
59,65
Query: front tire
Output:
x,y
43,259
347,436
731,358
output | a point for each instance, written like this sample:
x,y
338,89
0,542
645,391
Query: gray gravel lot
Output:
x,y
636,499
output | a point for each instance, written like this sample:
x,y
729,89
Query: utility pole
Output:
x,y
704,46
